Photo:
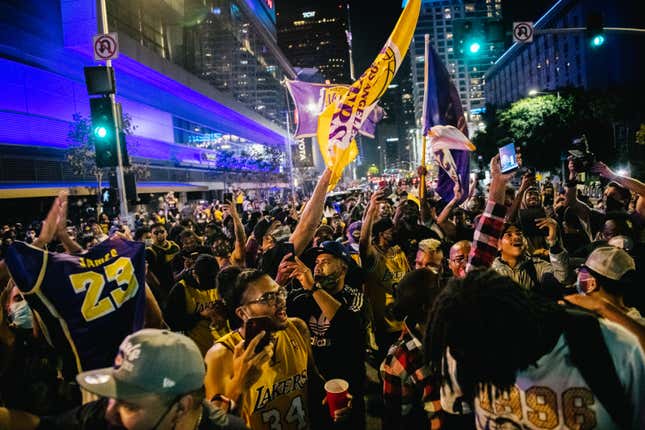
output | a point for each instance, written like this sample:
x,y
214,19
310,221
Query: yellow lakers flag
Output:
x,y
340,121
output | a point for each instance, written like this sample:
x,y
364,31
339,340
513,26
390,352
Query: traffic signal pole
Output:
x,y
120,180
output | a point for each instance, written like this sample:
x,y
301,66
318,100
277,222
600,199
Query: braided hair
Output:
x,y
493,327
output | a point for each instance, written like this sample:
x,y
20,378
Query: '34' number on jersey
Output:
x,y
120,271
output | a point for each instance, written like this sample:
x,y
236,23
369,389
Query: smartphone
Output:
x,y
255,325
228,197
288,246
508,158
527,219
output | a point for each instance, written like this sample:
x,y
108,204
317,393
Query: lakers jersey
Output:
x,y
88,303
203,333
384,276
279,397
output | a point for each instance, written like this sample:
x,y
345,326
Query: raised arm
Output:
x,y
528,180
50,224
311,215
445,213
580,209
633,185
237,257
61,232
491,223
365,246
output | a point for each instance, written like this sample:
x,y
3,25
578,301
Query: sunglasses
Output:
x,y
158,232
270,298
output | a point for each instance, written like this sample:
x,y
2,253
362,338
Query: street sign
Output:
x,y
523,32
106,46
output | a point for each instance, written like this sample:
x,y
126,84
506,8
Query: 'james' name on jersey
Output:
x,y
87,303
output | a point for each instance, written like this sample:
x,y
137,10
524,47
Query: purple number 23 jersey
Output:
x,y
86,304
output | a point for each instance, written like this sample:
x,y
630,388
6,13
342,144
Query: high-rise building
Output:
x,y
559,60
201,121
315,34
440,19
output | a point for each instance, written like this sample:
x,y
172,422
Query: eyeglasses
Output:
x,y
270,298
158,232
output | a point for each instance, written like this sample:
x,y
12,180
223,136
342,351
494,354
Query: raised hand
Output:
x,y
247,365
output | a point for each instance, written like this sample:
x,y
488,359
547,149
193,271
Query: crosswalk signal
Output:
x,y
104,132
594,30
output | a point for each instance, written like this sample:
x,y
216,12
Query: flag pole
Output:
x,y
422,178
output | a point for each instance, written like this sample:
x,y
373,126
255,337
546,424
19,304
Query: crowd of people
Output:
x,y
510,307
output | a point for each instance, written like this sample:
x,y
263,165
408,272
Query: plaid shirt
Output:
x,y
408,386
487,234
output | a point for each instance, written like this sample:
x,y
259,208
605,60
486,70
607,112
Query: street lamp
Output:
x,y
533,92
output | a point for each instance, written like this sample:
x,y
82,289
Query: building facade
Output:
x,y
439,19
559,60
198,125
315,34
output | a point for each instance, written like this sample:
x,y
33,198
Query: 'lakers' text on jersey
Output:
x,y
88,303
278,400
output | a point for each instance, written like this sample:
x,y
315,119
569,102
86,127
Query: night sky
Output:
x,y
372,22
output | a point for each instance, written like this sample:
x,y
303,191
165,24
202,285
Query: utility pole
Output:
x,y
123,201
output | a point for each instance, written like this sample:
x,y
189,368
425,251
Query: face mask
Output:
x,y
148,242
585,283
327,282
20,315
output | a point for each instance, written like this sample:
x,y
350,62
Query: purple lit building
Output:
x,y
199,78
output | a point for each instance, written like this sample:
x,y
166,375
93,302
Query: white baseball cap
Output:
x,y
610,262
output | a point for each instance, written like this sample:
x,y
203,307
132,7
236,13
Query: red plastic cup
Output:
x,y
336,394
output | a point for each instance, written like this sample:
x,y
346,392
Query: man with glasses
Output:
x,y
159,257
458,258
270,385
156,383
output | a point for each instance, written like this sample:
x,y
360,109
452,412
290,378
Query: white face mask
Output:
x,y
20,315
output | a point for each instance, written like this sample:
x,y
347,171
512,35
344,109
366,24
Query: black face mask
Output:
x,y
327,282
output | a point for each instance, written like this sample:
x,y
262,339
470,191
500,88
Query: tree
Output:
x,y
543,127
81,154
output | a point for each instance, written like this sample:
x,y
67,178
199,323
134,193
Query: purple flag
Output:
x,y
311,99
443,107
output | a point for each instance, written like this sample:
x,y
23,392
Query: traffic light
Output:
x,y
594,30
104,133
471,36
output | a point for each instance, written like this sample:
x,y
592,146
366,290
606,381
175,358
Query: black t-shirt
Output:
x,y
338,345
409,240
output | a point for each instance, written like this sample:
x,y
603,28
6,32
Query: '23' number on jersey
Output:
x,y
93,307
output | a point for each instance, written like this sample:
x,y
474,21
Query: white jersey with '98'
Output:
x,y
554,395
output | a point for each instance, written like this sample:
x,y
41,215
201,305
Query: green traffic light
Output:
x,y
474,47
100,131
598,40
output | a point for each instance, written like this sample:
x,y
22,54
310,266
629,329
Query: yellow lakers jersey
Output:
x,y
383,279
278,400
203,333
